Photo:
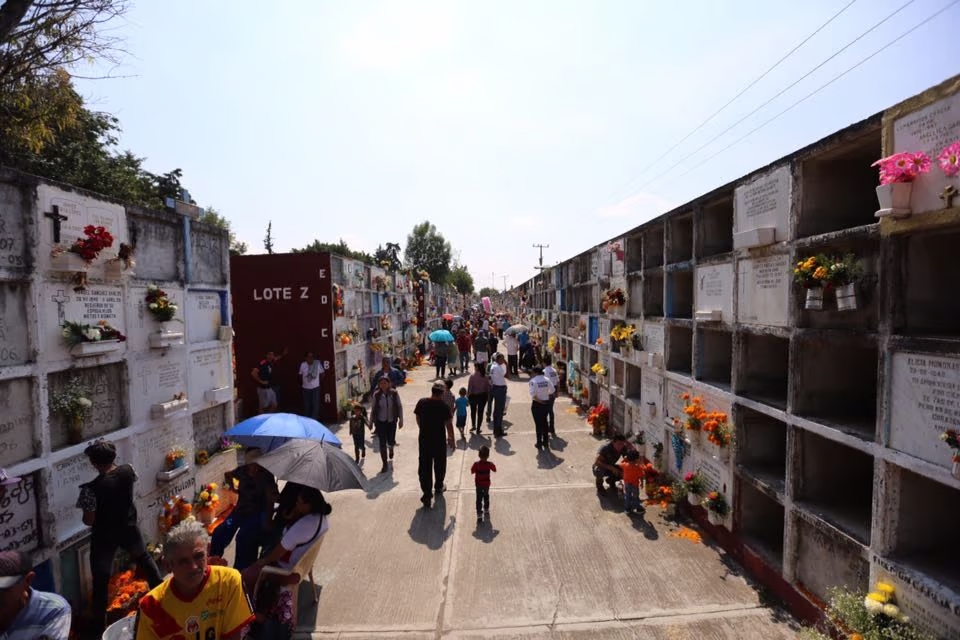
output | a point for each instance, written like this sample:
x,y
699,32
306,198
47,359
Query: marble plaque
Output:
x,y
141,323
60,303
16,421
14,343
80,211
653,337
209,369
209,251
203,316
930,610
764,202
66,476
714,290
674,403
925,402
929,129
208,427
105,388
651,396
13,244
19,522
153,446
716,475
764,288
159,253
150,504
154,378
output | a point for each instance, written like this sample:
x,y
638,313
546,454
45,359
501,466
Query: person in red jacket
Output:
x,y
481,471
465,345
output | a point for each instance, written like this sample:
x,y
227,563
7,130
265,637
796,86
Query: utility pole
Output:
x,y
541,247
493,280
505,283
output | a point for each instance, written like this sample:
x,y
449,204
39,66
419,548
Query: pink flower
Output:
x,y
920,163
902,167
949,159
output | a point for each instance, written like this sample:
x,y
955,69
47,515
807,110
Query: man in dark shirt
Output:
x,y
256,494
433,417
262,374
388,371
605,466
107,504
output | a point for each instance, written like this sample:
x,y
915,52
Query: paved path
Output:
x,y
554,561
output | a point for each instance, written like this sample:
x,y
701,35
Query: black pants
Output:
x,y
551,419
483,500
432,468
440,362
478,403
539,411
512,362
102,550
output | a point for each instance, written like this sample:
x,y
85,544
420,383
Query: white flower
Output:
x,y
173,307
154,306
92,334
66,333
891,610
151,288
872,606
83,402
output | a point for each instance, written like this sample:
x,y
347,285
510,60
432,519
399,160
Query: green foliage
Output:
x,y
461,280
340,249
847,611
428,250
268,239
488,292
388,257
212,216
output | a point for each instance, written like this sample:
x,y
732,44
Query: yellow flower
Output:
x,y
213,486
204,495
885,587
891,610
878,597
821,273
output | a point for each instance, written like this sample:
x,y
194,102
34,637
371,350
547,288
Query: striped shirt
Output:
x,y
481,470
46,617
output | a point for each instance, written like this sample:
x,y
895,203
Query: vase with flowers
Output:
x,y
812,273
694,485
897,173
95,239
73,404
206,502
952,438
599,419
614,299
175,458
717,507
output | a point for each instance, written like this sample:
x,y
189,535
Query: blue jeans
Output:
x,y
499,394
631,496
249,531
464,360
311,403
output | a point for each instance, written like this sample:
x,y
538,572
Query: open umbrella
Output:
x,y
441,335
315,464
270,430
517,328
447,316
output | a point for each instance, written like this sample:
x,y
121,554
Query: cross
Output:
x,y
57,219
60,299
145,375
948,194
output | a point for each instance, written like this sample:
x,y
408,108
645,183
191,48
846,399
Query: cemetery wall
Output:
x,y
165,385
837,474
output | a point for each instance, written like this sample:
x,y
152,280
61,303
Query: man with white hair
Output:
x,y
198,600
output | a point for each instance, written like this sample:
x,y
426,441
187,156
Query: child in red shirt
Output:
x,y
633,473
481,470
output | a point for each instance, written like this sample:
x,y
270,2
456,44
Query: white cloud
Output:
x,y
399,34
638,208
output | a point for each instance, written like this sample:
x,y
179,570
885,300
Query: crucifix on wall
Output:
x,y
57,218
60,299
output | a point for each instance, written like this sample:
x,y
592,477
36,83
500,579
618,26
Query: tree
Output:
x,y
213,217
388,257
268,240
340,249
428,250
488,292
461,280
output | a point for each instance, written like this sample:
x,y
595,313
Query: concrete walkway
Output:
x,y
554,561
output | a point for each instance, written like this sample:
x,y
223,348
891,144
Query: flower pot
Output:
x,y
169,335
693,499
814,299
714,518
75,432
100,347
847,297
205,515
693,436
177,463
894,199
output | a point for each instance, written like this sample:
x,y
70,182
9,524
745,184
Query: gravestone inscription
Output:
x,y
19,530
13,246
16,421
764,290
764,202
929,130
103,386
208,427
925,403
14,346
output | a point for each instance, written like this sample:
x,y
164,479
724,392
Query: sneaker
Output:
x,y
479,520
440,489
363,453
383,469
425,499
391,453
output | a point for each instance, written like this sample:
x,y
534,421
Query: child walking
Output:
x,y
481,470
462,402
358,420
633,472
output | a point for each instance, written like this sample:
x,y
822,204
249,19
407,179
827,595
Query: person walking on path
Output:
x,y
201,600
492,345
481,471
440,351
513,354
553,377
465,345
453,357
387,414
256,495
480,346
478,388
262,374
541,390
632,472
433,418
310,373
358,422
462,403
108,508
388,371
498,392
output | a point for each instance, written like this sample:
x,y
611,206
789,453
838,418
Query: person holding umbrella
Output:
x,y
256,495
433,418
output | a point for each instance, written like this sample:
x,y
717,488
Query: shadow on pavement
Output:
x,y
557,443
640,523
486,532
503,447
429,527
381,482
546,460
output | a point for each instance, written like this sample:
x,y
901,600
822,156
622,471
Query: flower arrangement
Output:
x,y
843,270
623,333
717,503
174,510
599,369
423,275
952,438
553,344
661,494
582,325
344,338
380,283
207,497
695,411
599,342
202,457
949,159
599,418
338,300
860,617
75,333
719,430
124,592
159,305
95,240
812,272
72,403
175,457
902,167
385,323
658,453
614,298
694,483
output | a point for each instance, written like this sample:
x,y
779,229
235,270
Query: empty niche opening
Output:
x,y
927,308
653,295
839,187
837,384
762,447
616,414
715,358
866,315
681,238
825,561
618,373
635,295
764,366
761,523
836,484
716,228
679,349
631,389
927,511
635,253
653,248
680,294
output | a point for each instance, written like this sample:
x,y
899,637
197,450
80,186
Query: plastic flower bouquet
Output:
x,y
174,458
207,497
75,333
952,438
717,503
599,418
812,272
95,240
599,369
949,159
902,167
693,483
159,305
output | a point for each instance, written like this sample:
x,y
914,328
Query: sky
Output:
x,y
505,123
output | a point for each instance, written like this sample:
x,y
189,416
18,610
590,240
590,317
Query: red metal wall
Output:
x,y
283,301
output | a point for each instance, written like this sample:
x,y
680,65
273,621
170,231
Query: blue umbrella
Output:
x,y
270,430
441,335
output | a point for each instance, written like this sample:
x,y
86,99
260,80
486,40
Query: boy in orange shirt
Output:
x,y
633,473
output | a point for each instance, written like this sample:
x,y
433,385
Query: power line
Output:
x,y
734,98
822,87
777,95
